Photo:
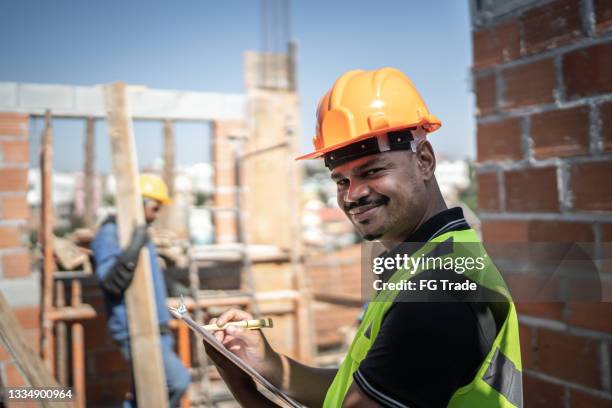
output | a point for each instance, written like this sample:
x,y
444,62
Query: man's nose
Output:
x,y
356,191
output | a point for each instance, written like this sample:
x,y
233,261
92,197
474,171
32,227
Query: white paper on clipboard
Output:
x,y
181,313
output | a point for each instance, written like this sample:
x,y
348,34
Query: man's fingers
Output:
x,y
219,334
233,315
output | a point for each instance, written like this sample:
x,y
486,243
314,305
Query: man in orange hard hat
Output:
x,y
460,350
115,267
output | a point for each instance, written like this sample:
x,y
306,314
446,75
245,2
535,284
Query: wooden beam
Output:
x,y
30,365
88,178
151,390
46,238
167,216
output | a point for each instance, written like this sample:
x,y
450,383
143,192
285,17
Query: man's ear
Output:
x,y
426,159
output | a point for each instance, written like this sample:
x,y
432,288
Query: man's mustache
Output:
x,y
365,201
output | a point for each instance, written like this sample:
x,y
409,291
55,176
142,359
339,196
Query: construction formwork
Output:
x,y
253,145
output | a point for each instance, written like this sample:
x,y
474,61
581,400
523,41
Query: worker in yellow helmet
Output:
x,y
115,268
432,336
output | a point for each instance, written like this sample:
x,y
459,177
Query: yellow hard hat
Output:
x,y
153,187
364,104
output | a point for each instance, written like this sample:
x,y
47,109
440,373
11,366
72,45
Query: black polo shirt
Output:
x,y
424,351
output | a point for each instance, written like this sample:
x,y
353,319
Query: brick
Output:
x,y
589,185
542,394
605,114
560,133
505,230
552,25
499,140
10,237
591,315
14,151
13,375
28,317
498,44
581,399
527,349
486,94
588,71
16,265
14,208
568,357
603,15
607,233
546,310
532,190
13,179
13,124
488,192
529,84
560,231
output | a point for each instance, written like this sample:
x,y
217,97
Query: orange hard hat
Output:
x,y
365,104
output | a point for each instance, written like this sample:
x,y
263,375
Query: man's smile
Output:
x,y
364,212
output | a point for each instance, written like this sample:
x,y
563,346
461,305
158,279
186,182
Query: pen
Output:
x,y
247,324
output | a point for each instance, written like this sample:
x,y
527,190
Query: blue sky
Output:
x,y
199,45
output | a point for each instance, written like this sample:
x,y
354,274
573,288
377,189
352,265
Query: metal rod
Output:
x,y
78,348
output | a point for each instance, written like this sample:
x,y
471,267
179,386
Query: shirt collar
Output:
x,y
440,223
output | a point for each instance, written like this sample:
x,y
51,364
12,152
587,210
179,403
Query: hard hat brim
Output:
x,y
432,127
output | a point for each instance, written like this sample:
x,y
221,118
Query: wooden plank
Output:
x,y
144,332
78,349
88,171
167,215
47,345
61,337
30,365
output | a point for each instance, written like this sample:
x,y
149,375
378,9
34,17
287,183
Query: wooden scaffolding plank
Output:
x,y
142,317
47,341
31,366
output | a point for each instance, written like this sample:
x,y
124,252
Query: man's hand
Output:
x,y
119,277
305,384
249,345
252,348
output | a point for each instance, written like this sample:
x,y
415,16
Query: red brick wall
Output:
x,y
14,254
543,83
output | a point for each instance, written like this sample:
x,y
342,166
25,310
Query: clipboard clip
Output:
x,y
182,309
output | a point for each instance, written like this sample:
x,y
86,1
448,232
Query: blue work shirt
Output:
x,y
106,249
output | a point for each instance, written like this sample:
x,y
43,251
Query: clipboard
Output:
x,y
181,314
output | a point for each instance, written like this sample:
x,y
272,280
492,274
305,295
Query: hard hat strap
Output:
x,y
396,140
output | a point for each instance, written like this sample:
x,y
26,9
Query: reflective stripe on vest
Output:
x,y
498,381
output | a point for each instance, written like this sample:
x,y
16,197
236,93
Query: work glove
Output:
x,y
120,276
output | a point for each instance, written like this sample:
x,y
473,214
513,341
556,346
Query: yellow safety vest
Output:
x,y
498,381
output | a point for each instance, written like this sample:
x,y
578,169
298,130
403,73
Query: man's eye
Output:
x,y
341,183
371,172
